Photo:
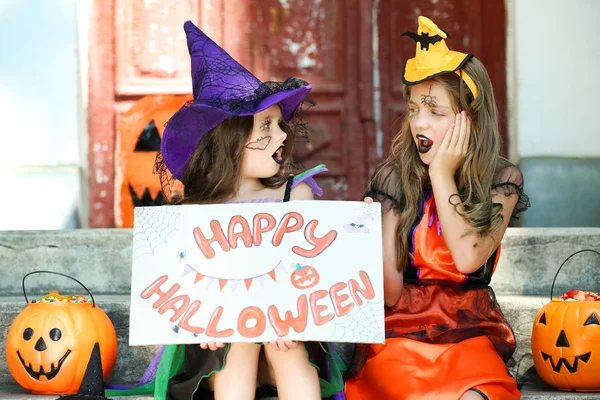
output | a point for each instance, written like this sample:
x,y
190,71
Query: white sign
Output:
x,y
303,270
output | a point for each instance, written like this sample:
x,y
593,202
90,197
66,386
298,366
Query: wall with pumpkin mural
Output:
x,y
139,135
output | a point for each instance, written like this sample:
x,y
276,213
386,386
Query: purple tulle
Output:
x,y
152,368
149,374
309,180
338,395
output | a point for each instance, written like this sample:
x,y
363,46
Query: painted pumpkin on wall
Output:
x,y
139,135
304,277
49,344
565,341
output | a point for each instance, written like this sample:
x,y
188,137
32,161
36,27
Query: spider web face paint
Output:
x,y
259,144
428,99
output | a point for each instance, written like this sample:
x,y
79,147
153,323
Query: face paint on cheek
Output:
x,y
259,144
428,99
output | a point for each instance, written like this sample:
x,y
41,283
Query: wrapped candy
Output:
x,y
580,295
55,296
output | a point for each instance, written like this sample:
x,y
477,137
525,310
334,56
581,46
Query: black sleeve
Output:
x,y
384,188
508,181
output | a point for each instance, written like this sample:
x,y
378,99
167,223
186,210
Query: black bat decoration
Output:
x,y
425,40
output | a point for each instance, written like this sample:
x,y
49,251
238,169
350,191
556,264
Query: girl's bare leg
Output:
x,y
266,375
238,379
471,395
294,377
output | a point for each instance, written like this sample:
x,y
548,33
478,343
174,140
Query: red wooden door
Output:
x,y
317,41
138,48
135,49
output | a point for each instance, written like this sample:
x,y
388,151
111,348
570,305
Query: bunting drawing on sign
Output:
x,y
187,270
234,282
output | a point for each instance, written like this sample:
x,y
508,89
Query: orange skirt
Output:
x,y
433,351
404,369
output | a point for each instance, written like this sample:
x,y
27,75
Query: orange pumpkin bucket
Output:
x,y
49,344
565,340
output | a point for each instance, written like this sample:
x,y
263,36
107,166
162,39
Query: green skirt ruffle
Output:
x,y
183,367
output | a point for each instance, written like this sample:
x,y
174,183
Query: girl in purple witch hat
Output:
x,y
234,144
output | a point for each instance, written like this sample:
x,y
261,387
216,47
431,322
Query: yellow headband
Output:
x,y
433,57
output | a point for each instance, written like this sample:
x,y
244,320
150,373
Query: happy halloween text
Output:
x,y
253,236
252,320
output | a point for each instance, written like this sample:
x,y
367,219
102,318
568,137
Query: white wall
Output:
x,y
554,77
40,161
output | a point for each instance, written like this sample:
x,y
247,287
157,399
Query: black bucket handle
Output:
x,y
561,265
56,273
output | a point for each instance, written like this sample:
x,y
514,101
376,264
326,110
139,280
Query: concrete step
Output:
x,y
132,360
101,259
529,392
544,392
520,312
17,393
531,256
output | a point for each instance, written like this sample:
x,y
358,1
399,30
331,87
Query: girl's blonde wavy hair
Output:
x,y
403,174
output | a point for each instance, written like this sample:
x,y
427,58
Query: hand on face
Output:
x,y
453,148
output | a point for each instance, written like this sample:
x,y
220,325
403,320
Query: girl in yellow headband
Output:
x,y
447,198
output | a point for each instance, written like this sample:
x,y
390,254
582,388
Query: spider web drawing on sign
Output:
x,y
369,208
153,225
362,325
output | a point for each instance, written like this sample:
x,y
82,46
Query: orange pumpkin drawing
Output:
x,y
139,135
304,277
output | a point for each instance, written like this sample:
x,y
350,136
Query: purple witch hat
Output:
x,y
222,89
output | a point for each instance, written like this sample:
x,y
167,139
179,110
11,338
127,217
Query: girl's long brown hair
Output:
x,y
214,170
403,174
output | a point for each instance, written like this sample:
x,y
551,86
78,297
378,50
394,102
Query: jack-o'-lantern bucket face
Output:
x,y
305,277
565,340
41,340
566,345
49,345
